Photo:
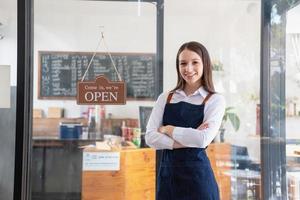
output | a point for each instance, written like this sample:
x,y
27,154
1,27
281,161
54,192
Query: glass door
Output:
x,y
8,95
293,101
93,151
280,100
66,33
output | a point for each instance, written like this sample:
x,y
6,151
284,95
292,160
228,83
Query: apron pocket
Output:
x,y
164,184
194,180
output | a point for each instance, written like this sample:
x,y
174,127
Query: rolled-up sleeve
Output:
x,y
213,115
153,138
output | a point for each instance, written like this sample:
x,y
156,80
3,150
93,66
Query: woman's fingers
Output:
x,y
203,126
161,129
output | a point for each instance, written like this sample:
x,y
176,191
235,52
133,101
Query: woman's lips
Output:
x,y
189,76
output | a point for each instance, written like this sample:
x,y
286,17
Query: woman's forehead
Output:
x,y
188,54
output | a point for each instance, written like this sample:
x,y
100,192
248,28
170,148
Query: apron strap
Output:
x,y
204,101
207,97
170,97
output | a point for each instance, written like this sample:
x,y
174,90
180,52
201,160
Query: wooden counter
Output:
x,y
134,180
219,155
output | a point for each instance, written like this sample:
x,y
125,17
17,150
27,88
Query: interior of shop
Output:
x,y
64,134
234,50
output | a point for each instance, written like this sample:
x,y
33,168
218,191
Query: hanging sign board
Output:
x,y
101,161
101,92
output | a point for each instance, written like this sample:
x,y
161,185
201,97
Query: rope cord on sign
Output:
x,y
94,54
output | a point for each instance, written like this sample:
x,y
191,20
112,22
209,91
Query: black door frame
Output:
x,y
24,100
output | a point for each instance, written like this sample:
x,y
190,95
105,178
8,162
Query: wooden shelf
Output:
x,y
49,127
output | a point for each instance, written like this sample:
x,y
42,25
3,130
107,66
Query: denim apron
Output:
x,y
185,174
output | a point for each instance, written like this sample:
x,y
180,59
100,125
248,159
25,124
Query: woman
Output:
x,y
183,123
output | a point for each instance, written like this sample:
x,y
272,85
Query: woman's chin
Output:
x,y
192,82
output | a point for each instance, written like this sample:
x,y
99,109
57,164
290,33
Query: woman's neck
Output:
x,y
190,89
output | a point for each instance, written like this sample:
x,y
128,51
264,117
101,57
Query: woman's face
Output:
x,y
190,67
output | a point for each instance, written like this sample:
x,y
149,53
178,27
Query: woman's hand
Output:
x,y
203,126
177,145
168,130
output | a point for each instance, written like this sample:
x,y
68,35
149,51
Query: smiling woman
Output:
x,y
191,70
183,123
194,67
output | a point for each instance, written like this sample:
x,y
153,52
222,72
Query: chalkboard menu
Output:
x,y
60,71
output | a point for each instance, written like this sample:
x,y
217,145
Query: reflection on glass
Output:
x,y
235,51
72,26
8,96
276,173
70,140
293,102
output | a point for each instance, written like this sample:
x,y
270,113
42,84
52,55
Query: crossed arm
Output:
x,y
170,137
168,130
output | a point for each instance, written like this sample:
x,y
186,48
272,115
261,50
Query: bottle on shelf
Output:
x,y
92,128
124,131
92,123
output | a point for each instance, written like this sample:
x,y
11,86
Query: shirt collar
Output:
x,y
200,91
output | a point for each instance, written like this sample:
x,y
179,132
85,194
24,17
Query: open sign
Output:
x,y
101,92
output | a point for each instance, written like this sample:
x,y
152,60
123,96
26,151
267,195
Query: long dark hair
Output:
x,y
206,79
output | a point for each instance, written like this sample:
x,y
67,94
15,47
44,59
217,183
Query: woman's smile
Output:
x,y
190,76
190,67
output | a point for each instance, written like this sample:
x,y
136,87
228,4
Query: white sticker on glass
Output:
x,y
101,161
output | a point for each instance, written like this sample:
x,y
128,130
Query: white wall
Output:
x,y
8,45
8,57
293,20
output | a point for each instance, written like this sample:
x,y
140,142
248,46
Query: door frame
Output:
x,y
24,104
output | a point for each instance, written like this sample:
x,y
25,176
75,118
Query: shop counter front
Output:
x,y
134,180
219,155
58,173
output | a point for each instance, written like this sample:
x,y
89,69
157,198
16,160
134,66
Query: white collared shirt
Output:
x,y
213,113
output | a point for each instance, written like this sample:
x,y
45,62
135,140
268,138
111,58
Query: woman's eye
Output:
x,y
182,64
195,62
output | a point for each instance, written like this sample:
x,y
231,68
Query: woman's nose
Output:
x,y
189,67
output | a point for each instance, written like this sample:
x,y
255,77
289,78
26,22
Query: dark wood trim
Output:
x,y
24,100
